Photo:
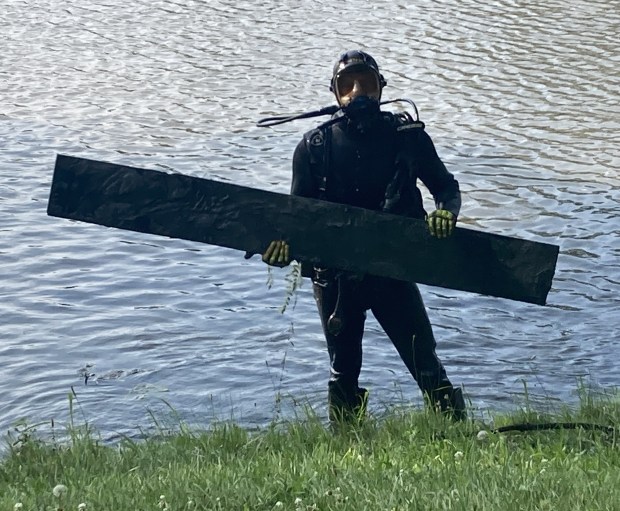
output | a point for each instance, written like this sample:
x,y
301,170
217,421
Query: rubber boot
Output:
x,y
343,407
450,401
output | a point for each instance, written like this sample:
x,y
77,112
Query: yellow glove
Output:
x,y
441,223
277,254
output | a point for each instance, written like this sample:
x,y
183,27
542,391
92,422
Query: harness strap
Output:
x,y
318,143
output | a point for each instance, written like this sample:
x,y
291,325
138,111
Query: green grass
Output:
x,y
402,461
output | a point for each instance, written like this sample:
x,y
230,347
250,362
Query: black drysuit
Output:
x,y
375,166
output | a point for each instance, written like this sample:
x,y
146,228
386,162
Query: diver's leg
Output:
x,y
399,308
345,398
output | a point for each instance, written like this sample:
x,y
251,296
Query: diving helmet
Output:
x,y
356,74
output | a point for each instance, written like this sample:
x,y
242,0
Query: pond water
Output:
x,y
521,100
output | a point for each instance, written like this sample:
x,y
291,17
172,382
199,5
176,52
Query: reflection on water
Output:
x,y
521,101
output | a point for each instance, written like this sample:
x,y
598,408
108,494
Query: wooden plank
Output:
x,y
334,235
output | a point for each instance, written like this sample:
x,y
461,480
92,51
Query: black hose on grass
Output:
x,y
526,426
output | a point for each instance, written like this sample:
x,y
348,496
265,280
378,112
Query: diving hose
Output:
x,y
328,110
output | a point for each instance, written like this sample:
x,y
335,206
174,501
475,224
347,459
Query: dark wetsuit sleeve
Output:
x,y
436,177
302,183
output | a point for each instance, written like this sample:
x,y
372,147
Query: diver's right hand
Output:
x,y
277,254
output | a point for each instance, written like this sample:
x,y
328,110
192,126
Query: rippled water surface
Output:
x,y
521,100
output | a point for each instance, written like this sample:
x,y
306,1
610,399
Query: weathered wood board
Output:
x,y
333,235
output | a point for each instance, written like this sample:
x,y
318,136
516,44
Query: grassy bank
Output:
x,y
404,461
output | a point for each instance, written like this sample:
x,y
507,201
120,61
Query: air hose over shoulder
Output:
x,y
281,119
328,110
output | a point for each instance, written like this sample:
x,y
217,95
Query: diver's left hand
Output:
x,y
441,223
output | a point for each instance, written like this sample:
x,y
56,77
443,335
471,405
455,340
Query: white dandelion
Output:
x,y
59,490
482,435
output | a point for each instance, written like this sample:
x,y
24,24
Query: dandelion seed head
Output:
x,y
18,506
59,490
279,504
298,501
458,455
482,435
82,507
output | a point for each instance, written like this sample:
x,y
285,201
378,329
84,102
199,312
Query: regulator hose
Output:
x,y
281,119
328,110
